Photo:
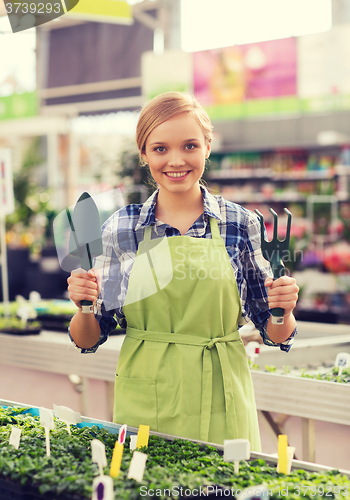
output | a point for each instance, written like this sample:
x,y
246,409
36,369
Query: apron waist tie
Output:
x,y
207,379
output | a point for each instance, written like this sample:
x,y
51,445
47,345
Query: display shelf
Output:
x,y
302,397
54,353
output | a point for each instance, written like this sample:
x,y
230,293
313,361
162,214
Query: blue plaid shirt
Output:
x,y
239,228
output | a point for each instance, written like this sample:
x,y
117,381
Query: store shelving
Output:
x,y
312,182
279,176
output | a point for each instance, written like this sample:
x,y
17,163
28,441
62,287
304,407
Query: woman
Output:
x,y
198,271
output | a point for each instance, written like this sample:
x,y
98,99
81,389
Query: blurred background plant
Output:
x,y
132,173
30,226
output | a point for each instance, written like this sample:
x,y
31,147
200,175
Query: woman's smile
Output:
x,y
177,175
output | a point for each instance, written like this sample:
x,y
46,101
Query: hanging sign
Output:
x,y
7,202
108,11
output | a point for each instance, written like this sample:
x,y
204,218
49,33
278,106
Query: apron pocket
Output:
x,y
135,402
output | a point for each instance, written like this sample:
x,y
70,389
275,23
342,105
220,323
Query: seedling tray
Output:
x,y
14,491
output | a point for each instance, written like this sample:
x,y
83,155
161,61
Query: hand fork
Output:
x,y
275,251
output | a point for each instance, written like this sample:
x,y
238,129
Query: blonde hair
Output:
x,y
166,106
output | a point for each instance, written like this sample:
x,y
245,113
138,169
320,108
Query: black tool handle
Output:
x,y
87,306
278,312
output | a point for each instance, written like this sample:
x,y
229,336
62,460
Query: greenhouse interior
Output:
x,y
175,192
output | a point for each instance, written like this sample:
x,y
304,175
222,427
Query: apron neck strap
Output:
x,y
214,228
147,234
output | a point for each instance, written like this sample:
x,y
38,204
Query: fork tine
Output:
x,y
289,222
275,224
262,230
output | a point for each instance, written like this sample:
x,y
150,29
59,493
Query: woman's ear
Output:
x,y
208,150
144,158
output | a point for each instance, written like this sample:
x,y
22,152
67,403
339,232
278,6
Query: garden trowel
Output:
x,y
85,239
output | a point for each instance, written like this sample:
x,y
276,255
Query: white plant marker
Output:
x,y
137,466
133,441
236,450
102,488
15,437
99,454
68,416
34,298
342,361
252,350
47,421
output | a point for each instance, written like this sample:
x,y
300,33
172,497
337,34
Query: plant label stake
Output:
x,y
68,416
102,488
15,437
118,452
47,421
85,238
142,436
99,454
137,466
236,450
342,361
285,455
274,251
252,350
133,442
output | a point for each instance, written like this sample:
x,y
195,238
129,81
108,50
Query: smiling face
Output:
x,y
175,152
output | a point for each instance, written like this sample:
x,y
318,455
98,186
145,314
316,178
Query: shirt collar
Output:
x,y
210,204
148,211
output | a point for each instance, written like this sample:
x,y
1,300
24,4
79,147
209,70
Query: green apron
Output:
x,y
183,369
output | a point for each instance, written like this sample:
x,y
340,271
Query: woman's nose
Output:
x,y
176,160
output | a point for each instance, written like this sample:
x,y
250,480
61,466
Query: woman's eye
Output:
x,y
160,149
190,146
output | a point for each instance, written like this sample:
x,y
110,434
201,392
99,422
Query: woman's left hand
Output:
x,y
282,292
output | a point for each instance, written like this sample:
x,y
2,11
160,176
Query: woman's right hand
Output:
x,y
83,285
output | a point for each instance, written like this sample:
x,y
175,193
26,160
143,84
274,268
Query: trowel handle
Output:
x,y
87,306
